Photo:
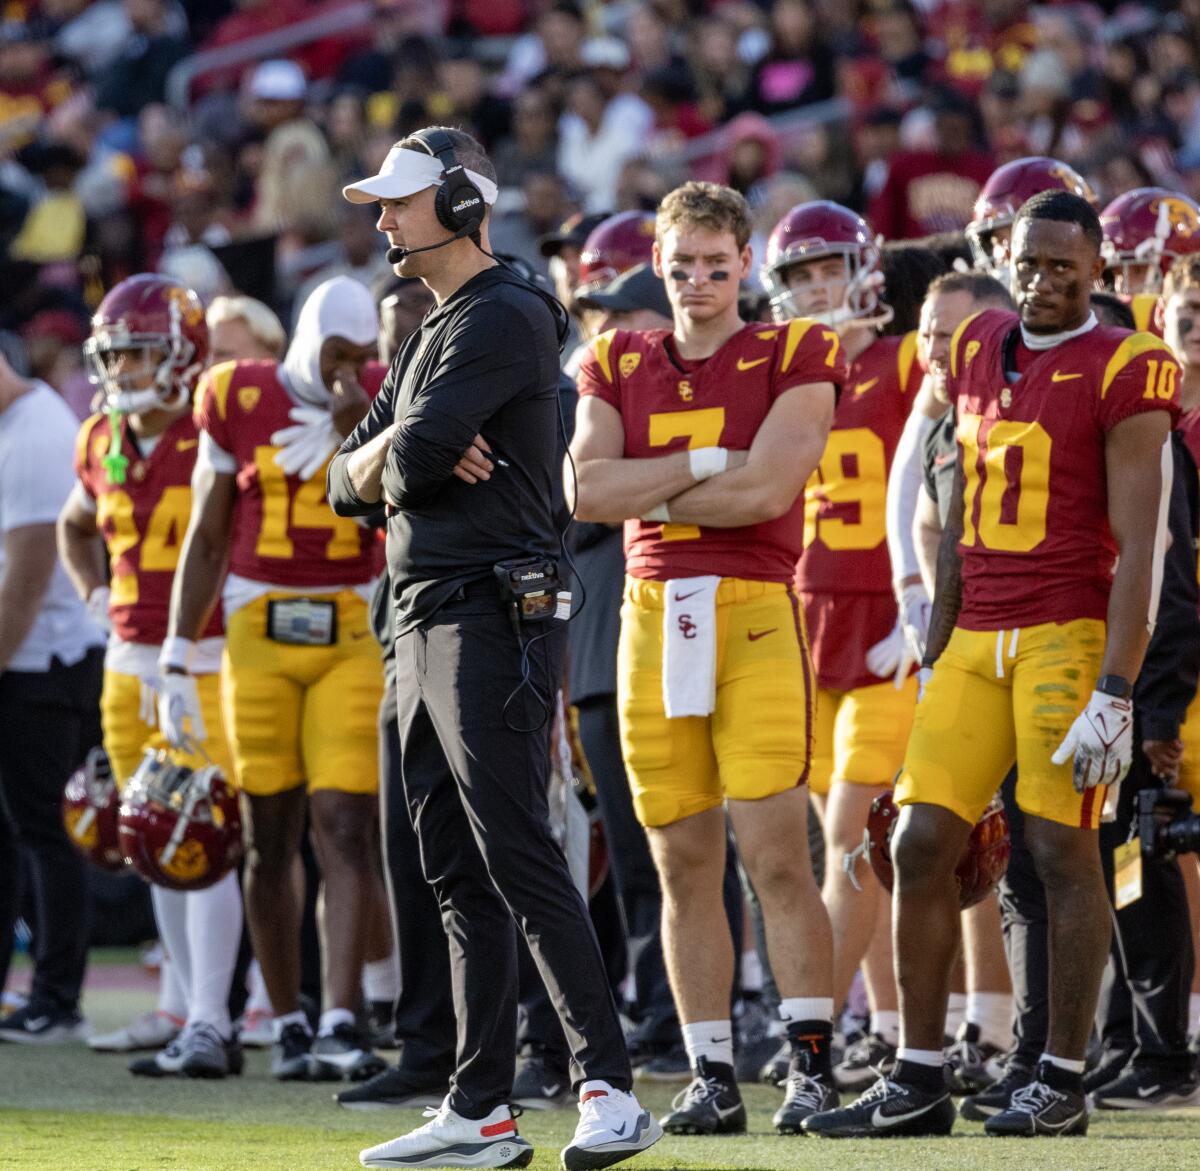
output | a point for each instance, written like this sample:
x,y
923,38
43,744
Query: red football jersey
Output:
x,y
1036,544
845,513
143,521
669,404
284,532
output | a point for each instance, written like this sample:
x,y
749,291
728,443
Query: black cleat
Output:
x,y
540,1084
342,1052
1139,1088
290,1054
998,1096
775,1070
968,1060
804,1095
868,1058
889,1109
1040,1109
711,1104
393,1089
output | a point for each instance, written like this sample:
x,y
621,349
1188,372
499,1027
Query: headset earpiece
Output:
x,y
458,203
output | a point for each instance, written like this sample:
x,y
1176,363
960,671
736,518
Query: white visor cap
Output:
x,y
405,172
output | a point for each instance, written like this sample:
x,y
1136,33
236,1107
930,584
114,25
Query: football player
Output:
x,y
990,231
1145,231
986,1028
1030,613
613,246
302,674
700,438
134,463
823,262
1178,315
239,327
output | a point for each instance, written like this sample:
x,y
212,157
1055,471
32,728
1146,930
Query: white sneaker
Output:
x,y
612,1127
453,1141
152,1030
255,1029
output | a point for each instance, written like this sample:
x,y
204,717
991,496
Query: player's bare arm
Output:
x,y
81,547
205,550
947,598
1133,461
786,449
927,537
612,488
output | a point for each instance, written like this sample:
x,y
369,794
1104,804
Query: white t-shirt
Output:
x,y
37,445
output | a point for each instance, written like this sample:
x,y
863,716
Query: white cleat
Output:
x,y
152,1030
450,1140
612,1127
255,1029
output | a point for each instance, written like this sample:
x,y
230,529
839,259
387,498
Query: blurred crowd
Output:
x,y
208,140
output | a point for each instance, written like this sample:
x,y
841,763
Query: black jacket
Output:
x,y
1167,683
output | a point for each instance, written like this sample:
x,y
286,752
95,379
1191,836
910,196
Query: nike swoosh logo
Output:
x,y
754,637
719,1040
684,597
186,444
1148,1091
727,1111
552,1091
1059,376
863,387
882,1121
742,364
36,1024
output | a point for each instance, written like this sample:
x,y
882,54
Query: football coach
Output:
x,y
460,445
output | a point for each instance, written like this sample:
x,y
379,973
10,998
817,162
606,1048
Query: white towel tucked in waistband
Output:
x,y
690,646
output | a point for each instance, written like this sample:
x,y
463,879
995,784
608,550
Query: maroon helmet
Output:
x,y
1145,231
981,866
1007,188
621,242
814,231
180,828
160,325
89,810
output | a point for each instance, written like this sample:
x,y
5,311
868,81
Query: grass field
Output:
x,y
74,1110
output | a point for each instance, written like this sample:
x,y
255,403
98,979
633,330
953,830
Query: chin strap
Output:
x,y
115,462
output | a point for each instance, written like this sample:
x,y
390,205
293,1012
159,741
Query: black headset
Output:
x,y
458,203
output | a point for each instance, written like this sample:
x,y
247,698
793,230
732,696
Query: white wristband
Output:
x,y
176,652
657,515
707,461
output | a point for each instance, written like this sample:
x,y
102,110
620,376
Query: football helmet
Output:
x,y
997,205
180,828
1145,231
148,346
89,811
814,231
983,861
620,243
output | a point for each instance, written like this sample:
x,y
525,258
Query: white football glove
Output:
x,y
97,607
915,611
307,444
891,657
178,707
1101,741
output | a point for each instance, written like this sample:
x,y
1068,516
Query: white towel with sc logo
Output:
x,y
690,646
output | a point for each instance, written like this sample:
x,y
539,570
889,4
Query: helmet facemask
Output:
x,y
169,363
861,282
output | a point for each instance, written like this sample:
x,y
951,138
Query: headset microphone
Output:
x,y
396,255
